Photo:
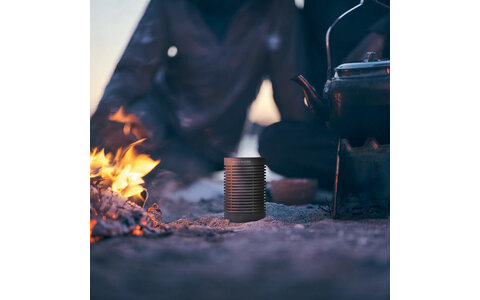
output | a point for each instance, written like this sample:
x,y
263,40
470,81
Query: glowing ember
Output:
x,y
124,171
92,224
137,231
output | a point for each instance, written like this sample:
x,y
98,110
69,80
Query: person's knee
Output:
x,y
279,137
296,149
273,144
268,139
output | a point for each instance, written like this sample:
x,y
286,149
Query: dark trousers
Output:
x,y
300,150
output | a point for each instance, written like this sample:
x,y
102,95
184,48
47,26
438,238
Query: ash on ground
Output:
x,y
296,252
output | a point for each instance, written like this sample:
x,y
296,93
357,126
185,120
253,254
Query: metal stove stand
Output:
x,y
362,181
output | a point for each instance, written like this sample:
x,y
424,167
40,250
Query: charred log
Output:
x,y
112,214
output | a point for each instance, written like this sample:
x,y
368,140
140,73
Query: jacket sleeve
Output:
x,y
145,52
286,58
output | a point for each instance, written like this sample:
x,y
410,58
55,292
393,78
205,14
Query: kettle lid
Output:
x,y
370,66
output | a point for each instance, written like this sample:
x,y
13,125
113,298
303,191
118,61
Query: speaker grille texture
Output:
x,y
244,188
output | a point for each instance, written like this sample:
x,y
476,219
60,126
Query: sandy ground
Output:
x,y
294,253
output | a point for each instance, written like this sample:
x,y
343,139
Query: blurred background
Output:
x,y
112,23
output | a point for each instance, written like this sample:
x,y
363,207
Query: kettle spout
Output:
x,y
312,99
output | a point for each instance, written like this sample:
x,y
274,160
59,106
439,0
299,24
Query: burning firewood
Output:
x,y
112,214
117,195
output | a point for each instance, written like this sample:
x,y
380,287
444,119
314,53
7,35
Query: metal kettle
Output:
x,y
356,100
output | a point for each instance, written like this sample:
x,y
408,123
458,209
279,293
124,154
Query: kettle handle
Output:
x,y
327,36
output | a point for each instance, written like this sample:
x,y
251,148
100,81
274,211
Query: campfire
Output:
x,y
117,194
123,172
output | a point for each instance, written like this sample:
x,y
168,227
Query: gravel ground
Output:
x,y
294,253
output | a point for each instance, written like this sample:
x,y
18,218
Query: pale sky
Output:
x,y
112,22
111,25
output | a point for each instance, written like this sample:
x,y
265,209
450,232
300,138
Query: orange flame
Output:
x,y
129,121
124,171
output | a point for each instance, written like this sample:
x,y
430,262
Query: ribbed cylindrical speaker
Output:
x,y
244,188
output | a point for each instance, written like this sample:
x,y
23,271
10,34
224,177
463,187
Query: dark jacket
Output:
x,y
208,86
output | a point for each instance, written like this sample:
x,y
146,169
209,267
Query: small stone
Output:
x,y
299,226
